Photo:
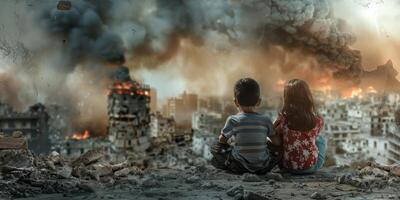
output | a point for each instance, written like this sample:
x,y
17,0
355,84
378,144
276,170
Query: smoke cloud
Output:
x,y
68,53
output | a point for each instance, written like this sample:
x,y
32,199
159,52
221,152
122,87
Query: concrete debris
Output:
x,y
24,174
247,177
235,190
249,195
193,179
372,176
150,182
122,172
16,158
13,143
318,196
274,176
89,157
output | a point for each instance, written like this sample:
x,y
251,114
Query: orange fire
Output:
x,y
81,136
352,92
371,89
279,85
127,88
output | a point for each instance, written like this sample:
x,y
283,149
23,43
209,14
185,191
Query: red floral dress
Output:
x,y
299,149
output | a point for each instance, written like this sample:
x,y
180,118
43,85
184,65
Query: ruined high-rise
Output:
x,y
128,112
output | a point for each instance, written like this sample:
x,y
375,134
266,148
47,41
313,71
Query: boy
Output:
x,y
250,130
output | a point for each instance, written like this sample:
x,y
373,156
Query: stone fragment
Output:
x,y
119,166
249,195
193,179
318,196
395,170
247,177
89,157
102,169
150,182
20,158
17,134
64,172
50,165
88,186
122,172
274,176
233,191
54,157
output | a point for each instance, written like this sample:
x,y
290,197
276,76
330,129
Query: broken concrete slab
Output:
x,y
13,143
89,157
122,172
16,158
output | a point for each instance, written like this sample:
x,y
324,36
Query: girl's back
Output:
x,y
299,148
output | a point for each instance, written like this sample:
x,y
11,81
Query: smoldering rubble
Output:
x,y
177,173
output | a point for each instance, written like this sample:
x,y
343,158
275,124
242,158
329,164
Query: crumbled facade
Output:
x,y
32,124
129,115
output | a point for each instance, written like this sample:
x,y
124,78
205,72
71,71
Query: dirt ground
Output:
x,y
207,183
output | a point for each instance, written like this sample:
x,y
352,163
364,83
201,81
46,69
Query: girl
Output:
x,y
299,127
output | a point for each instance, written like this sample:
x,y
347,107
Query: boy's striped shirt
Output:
x,y
250,131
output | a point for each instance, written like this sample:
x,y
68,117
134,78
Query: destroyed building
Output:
x,y
32,124
162,128
129,113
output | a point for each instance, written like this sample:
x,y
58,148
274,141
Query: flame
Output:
x,y
279,85
81,136
352,93
127,88
371,89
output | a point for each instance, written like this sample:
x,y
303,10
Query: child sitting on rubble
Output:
x,y
249,152
298,126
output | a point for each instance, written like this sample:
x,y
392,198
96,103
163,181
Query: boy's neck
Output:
x,y
250,109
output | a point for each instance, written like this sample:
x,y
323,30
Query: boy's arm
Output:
x,y
222,139
227,132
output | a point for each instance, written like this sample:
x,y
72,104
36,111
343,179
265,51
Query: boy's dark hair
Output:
x,y
247,92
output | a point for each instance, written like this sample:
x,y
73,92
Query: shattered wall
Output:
x,y
129,113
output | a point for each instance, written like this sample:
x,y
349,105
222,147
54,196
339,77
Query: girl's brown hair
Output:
x,y
298,106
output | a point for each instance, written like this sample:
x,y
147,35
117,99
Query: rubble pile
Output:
x,y
176,158
373,175
24,174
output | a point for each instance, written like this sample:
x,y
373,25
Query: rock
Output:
x,y
193,179
17,134
50,165
88,186
65,172
271,182
119,166
233,191
395,170
249,195
122,172
247,177
274,176
150,182
54,157
20,158
89,157
102,169
317,196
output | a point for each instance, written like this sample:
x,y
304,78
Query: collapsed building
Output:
x,y
129,113
32,124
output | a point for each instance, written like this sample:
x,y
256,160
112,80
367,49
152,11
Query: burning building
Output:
x,y
129,113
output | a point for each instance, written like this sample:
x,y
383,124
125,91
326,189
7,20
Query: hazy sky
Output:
x,y
376,26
